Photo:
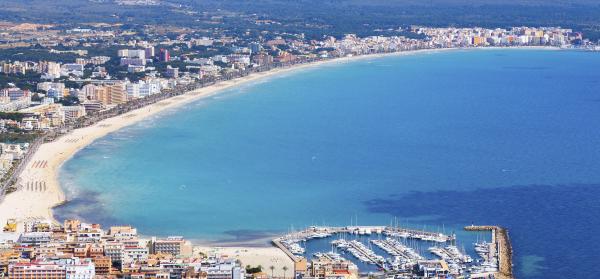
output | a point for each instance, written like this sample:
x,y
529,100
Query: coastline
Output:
x,y
37,202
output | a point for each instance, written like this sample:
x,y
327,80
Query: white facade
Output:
x,y
133,90
149,88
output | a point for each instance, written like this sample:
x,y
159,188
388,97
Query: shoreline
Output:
x,y
42,190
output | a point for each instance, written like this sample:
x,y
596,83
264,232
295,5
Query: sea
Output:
x,y
434,141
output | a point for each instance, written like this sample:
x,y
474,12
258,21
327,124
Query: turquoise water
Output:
x,y
508,137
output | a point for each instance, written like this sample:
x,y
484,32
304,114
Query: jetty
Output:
x,y
501,241
361,252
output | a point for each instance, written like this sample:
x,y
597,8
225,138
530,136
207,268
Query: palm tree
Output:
x,y
284,270
272,268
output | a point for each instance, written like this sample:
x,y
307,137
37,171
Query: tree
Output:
x,y
252,270
285,268
272,268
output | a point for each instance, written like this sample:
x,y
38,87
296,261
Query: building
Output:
x,y
164,55
73,68
327,268
111,94
132,53
14,93
118,94
102,265
32,270
92,106
432,268
134,253
45,86
96,60
9,106
69,268
172,72
122,232
125,61
149,51
221,268
76,268
262,59
150,87
78,250
51,70
135,69
73,112
174,245
133,90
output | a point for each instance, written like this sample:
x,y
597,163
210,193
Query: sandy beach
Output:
x,y
40,190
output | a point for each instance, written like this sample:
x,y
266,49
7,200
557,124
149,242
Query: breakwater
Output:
x,y
501,241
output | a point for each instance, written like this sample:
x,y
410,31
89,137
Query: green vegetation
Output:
x,y
252,270
36,53
15,116
69,101
314,17
27,81
16,135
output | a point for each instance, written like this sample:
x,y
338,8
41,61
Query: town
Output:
x,y
79,250
74,249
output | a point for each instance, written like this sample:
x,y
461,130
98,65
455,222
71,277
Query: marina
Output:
x,y
401,252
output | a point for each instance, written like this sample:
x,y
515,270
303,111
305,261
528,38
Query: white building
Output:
x,y
133,90
149,88
45,86
78,268
15,105
132,53
133,61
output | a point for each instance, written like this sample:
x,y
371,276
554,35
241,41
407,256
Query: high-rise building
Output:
x,y
133,90
164,55
50,69
150,52
173,245
172,72
117,94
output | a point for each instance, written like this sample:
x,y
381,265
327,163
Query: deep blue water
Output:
x,y
509,137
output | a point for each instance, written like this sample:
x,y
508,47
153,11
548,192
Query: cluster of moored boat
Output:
x,y
359,251
420,235
403,258
490,260
395,248
457,261
293,245
292,241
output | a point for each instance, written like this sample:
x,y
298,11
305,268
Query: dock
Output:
x,y
279,245
300,263
502,243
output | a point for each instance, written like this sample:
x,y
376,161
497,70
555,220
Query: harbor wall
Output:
x,y
501,239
